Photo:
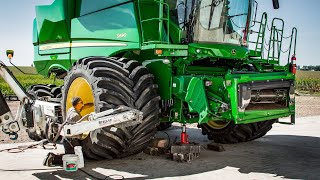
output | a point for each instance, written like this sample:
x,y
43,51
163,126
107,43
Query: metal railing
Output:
x,y
161,19
259,43
275,46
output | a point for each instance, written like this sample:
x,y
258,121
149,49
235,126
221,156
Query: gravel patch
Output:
x,y
307,106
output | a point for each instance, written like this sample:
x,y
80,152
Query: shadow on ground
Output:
x,y
295,157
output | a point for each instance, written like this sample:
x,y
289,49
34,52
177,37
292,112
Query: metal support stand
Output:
x,y
292,120
185,151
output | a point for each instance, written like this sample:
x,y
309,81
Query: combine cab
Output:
x,y
184,61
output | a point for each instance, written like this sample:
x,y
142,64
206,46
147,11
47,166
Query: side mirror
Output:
x,y
275,4
10,54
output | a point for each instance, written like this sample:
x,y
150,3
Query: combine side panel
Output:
x,y
104,32
85,7
53,24
52,36
70,30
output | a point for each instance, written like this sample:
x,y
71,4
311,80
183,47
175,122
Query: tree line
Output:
x,y
309,68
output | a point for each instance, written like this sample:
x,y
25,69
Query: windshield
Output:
x,y
218,21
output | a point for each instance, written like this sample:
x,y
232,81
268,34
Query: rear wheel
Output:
x,y
226,132
39,91
105,83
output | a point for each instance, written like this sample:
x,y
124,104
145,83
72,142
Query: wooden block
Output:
x,y
215,147
160,143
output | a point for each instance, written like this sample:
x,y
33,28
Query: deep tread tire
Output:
x,y
236,133
117,81
38,91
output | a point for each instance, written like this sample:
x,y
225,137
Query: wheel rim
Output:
x,y
81,88
218,124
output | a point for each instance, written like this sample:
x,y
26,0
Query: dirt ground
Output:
x,y
286,152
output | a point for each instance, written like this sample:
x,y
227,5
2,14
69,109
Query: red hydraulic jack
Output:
x,y
184,136
185,151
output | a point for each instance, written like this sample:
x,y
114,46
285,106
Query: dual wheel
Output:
x,y
106,83
226,132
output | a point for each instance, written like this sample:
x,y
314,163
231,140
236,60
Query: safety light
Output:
x,y
10,54
158,51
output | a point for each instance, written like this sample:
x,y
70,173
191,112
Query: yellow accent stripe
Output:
x,y
79,44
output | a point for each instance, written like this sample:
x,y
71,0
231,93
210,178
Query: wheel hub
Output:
x,y
218,124
81,88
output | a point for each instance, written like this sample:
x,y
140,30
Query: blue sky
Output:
x,y
16,23
16,17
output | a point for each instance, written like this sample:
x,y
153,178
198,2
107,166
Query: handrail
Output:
x,y
152,19
274,47
263,25
294,31
161,18
274,39
259,45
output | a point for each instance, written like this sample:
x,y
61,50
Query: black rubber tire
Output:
x,y
164,125
117,81
237,133
38,91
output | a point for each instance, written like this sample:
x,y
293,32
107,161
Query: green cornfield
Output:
x,y
307,81
27,80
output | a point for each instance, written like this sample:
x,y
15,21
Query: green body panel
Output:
x,y
198,81
175,33
84,7
162,76
35,37
199,51
218,92
80,52
104,25
53,21
191,90
149,14
44,64
247,116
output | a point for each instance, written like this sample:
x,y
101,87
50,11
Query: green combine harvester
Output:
x,y
185,61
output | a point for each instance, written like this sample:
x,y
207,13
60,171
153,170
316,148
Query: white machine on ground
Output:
x,y
32,111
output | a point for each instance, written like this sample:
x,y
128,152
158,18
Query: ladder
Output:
x,y
275,41
259,43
